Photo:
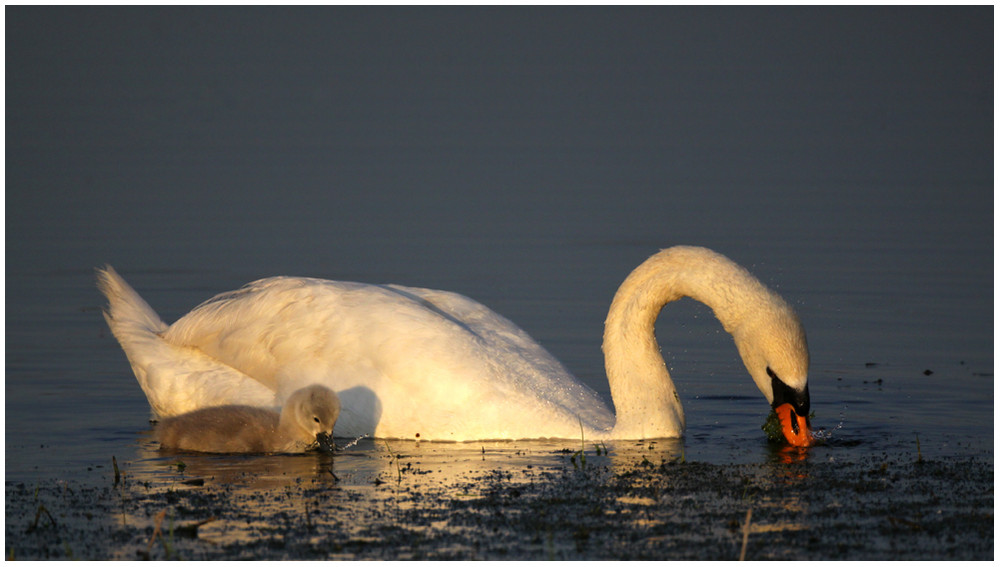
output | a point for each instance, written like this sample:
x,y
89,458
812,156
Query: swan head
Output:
x,y
774,349
309,415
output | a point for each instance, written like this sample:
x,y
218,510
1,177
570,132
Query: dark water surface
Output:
x,y
528,159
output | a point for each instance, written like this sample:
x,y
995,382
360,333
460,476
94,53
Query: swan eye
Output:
x,y
316,419
772,374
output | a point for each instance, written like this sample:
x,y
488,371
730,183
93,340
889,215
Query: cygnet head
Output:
x,y
309,415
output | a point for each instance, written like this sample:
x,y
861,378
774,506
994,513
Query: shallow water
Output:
x,y
530,166
510,500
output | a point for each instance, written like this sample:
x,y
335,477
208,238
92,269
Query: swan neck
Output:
x,y
645,398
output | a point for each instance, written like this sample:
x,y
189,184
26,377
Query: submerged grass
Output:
x,y
582,453
393,458
746,534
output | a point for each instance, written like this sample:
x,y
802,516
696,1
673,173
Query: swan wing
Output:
x,y
179,379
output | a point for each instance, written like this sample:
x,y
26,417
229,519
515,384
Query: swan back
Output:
x,y
407,361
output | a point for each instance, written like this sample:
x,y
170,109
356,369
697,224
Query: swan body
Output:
x,y
418,363
306,421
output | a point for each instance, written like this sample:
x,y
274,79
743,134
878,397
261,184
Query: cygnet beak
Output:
x,y
794,426
325,442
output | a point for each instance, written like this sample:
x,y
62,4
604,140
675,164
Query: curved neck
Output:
x,y
645,399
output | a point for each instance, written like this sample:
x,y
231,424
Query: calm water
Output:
x,y
528,159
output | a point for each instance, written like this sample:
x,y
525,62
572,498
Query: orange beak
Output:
x,y
794,426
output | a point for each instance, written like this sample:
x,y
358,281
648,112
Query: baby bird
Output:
x,y
306,420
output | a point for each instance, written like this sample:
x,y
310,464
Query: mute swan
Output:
x,y
418,363
306,420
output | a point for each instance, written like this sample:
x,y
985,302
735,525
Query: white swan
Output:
x,y
306,421
419,363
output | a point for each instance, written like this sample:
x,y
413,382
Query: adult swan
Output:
x,y
418,363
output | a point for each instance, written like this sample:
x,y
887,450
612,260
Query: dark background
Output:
x,y
313,129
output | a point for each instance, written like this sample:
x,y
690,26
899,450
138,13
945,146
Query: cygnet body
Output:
x,y
307,418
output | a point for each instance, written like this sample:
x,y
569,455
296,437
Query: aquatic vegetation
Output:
x,y
772,427
394,458
746,535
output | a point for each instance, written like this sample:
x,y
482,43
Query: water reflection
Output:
x,y
370,462
317,491
373,482
787,455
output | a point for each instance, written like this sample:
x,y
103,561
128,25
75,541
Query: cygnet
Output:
x,y
306,420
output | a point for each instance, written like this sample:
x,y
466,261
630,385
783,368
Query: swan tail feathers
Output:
x,y
137,327
127,313
175,378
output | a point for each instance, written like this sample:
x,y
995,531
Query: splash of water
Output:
x,y
827,434
352,443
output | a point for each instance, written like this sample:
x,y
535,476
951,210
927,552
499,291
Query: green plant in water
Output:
x,y
168,542
582,452
772,427
747,496
394,458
